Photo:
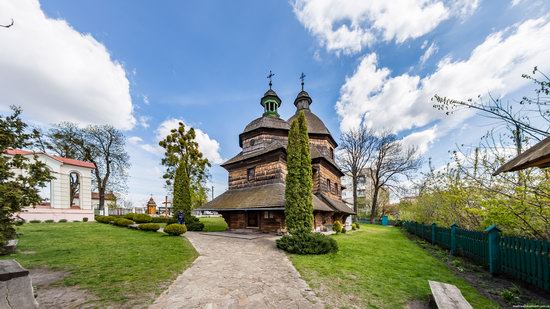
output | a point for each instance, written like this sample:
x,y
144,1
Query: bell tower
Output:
x,y
270,101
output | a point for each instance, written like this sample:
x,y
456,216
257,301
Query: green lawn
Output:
x,y
116,264
379,267
214,224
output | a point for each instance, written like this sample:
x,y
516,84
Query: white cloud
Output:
x,y
347,25
135,140
428,53
421,139
144,121
208,146
56,73
404,102
464,8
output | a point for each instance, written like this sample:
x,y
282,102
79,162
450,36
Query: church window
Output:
x,y
332,153
328,185
252,142
269,215
336,188
251,173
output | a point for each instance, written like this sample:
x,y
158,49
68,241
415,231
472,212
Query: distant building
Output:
x,y
151,207
365,191
56,196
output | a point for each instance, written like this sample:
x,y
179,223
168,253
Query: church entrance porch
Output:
x,y
252,219
266,221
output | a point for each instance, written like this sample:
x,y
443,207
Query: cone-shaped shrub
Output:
x,y
299,204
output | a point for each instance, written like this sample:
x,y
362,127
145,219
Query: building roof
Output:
x,y
536,156
67,161
270,196
244,156
267,122
314,124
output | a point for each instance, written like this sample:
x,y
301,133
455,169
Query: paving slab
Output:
x,y
248,236
238,273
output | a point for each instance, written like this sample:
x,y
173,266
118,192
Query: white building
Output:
x,y
56,203
365,191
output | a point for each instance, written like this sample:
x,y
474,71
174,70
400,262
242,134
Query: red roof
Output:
x,y
60,159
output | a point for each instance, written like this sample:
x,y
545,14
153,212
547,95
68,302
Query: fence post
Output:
x,y
493,239
453,238
433,233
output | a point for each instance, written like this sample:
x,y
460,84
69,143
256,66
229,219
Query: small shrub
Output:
x,y
357,226
512,295
353,228
85,219
49,221
175,229
142,218
149,227
105,219
337,226
123,222
171,220
308,243
76,221
19,222
160,219
195,226
344,231
129,216
35,221
62,221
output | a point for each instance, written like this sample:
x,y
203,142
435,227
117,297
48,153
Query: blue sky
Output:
x,y
141,64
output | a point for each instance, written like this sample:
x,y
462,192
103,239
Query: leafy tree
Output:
x,y
182,192
298,199
103,145
186,168
17,190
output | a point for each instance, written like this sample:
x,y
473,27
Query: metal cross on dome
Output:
x,y
270,76
302,77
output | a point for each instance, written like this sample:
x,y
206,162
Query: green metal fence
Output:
x,y
524,259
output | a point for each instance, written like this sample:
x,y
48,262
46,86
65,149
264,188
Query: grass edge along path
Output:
x,y
116,264
379,267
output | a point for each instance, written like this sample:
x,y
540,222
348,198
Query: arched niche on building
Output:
x,y
74,189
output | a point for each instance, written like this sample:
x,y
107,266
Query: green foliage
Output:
x,y
19,222
186,168
353,228
182,192
337,226
142,218
512,295
62,221
35,221
214,224
129,216
85,219
49,221
18,191
298,199
175,229
171,220
307,243
123,222
160,219
105,219
195,226
149,227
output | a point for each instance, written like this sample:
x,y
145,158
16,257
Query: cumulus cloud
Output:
x,y
208,146
372,95
56,73
347,25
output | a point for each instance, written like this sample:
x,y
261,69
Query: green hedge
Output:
x,y
62,221
160,219
130,216
149,227
142,218
123,222
105,219
194,224
175,229
308,243
35,221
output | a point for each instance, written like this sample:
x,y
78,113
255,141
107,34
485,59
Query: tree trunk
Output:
x,y
374,203
101,191
355,204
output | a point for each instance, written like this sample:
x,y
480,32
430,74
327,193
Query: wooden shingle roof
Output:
x,y
536,156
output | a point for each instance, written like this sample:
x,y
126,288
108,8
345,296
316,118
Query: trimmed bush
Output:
x,y
130,216
85,219
171,220
19,222
195,225
76,221
62,221
357,226
49,221
142,218
353,228
175,229
344,231
160,219
105,219
35,221
123,222
149,227
308,243
337,226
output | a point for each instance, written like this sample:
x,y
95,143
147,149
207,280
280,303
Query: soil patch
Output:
x,y
51,294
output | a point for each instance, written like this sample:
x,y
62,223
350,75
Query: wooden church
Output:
x,y
255,198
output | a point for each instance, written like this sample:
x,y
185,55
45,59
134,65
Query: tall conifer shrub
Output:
x,y
299,204
182,192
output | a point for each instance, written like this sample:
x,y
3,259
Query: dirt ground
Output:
x,y
51,294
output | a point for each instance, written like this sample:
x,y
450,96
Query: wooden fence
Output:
x,y
524,259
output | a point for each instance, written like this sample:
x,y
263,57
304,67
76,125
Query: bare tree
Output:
x,y
356,147
390,161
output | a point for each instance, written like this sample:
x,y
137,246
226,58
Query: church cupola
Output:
x,y
270,101
303,100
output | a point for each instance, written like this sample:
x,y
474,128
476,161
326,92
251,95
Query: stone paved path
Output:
x,y
238,273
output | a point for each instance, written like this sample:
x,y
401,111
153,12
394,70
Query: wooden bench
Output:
x,y
448,296
15,286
